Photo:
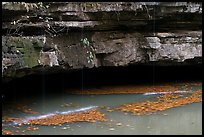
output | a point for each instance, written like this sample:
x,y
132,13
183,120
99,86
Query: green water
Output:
x,y
184,120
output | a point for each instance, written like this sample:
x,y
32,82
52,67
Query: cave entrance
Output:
x,y
98,77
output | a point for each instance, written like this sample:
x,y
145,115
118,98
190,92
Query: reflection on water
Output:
x,y
185,119
54,113
156,93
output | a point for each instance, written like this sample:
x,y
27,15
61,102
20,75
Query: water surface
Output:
x,y
185,119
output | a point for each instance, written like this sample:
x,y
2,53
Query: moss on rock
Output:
x,y
28,47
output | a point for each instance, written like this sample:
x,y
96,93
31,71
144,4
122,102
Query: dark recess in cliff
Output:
x,y
45,84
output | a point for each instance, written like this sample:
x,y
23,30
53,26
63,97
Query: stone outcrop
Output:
x,y
67,36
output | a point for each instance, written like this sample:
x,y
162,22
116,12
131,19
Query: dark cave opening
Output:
x,y
35,85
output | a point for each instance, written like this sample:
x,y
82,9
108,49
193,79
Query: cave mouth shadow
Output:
x,y
34,85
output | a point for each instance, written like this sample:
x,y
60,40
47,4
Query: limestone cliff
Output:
x,y
55,36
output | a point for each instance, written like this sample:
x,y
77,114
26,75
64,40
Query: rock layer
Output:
x,y
68,36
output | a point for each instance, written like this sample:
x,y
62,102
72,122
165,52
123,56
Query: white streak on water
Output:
x,y
77,110
52,114
157,93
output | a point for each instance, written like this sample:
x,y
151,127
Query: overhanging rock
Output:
x,y
69,36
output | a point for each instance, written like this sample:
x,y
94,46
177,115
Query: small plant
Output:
x,y
38,7
90,52
85,42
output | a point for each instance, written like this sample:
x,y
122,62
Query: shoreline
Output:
x,y
134,89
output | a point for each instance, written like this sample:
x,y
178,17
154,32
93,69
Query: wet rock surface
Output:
x,y
69,36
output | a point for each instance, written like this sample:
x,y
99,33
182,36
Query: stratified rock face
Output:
x,y
67,36
115,48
